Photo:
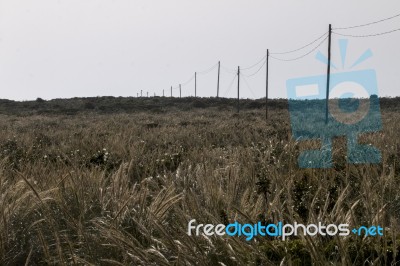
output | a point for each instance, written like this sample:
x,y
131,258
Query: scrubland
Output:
x,y
99,186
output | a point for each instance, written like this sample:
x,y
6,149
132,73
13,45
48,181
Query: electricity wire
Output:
x,y
230,86
304,55
262,60
298,49
256,64
186,82
367,24
207,70
248,86
258,70
366,35
228,70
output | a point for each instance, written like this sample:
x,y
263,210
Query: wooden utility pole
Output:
x,y
195,84
328,74
180,91
266,87
219,68
238,86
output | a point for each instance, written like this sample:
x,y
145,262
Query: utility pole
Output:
x,y
171,91
163,93
154,94
180,91
219,68
328,74
147,94
266,87
238,86
137,94
195,84
141,93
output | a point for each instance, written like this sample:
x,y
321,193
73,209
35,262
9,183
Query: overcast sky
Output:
x,y
81,48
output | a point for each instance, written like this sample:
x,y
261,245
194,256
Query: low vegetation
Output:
x,y
114,181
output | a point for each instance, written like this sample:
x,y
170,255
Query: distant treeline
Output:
x,y
109,104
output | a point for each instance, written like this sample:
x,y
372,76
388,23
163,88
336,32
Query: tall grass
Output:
x,y
120,189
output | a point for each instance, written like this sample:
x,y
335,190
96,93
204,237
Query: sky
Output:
x,y
84,48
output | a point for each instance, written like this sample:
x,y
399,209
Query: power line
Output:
x,y
230,85
258,70
186,82
260,63
248,85
298,49
256,64
228,70
299,57
367,35
207,70
368,24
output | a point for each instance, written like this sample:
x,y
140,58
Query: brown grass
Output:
x,y
119,189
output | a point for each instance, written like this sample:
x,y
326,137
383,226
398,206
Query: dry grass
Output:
x,y
120,189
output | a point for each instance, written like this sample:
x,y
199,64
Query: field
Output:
x,y
115,181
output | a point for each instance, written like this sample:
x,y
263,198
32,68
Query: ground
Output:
x,y
115,181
